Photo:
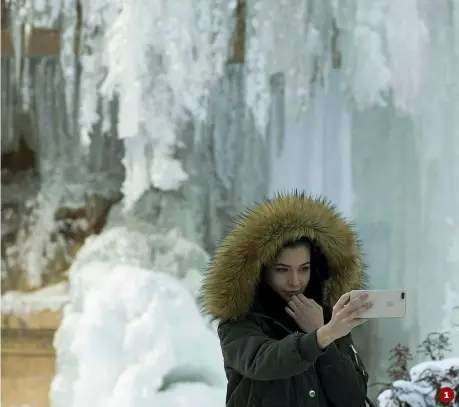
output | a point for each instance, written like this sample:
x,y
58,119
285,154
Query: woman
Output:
x,y
279,284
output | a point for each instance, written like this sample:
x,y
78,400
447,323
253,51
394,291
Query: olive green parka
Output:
x,y
268,365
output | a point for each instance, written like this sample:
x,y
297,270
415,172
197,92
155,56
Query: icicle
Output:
x,y
136,180
106,117
67,57
16,21
28,23
276,32
361,38
406,38
96,17
9,140
227,131
25,85
257,97
46,13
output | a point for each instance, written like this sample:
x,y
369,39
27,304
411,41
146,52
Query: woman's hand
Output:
x,y
307,314
346,315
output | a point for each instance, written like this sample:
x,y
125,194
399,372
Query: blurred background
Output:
x,y
132,132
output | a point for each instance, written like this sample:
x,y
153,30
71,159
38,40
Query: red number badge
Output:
x,y
446,395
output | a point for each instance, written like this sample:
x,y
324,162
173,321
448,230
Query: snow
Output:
x,y
132,334
52,298
416,392
134,337
146,248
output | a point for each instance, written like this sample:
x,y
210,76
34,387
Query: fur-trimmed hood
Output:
x,y
258,235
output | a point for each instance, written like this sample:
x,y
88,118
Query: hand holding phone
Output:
x,y
386,303
347,314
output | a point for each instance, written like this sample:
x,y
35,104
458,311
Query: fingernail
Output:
x,y
369,305
364,296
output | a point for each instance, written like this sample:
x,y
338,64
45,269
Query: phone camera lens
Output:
x,y
403,296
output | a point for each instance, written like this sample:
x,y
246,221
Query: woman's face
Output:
x,y
290,273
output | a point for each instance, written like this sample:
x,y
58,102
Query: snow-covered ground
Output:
x,y
51,298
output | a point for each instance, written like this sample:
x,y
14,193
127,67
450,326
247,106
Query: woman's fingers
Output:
x,y
355,314
290,312
303,299
356,304
298,302
294,304
344,299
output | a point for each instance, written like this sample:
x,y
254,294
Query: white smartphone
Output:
x,y
386,303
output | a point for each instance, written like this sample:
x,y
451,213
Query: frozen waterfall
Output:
x,y
352,99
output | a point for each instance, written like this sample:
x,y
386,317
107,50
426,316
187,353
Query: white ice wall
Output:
x,y
315,154
384,145
401,201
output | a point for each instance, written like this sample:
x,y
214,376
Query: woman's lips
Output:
x,y
291,293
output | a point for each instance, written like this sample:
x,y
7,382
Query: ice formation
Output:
x,y
140,55
134,337
161,63
320,144
146,249
380,137
129,333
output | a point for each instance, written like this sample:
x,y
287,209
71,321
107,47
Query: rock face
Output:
x,y
21,216
54,193
29,315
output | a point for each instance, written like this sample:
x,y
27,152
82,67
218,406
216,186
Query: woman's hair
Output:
x,y
319,269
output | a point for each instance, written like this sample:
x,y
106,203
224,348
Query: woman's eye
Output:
x,y
305,269
281,270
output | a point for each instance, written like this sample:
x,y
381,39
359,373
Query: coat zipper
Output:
x,y
355,355
367,399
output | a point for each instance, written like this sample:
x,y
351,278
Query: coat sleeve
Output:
x,y
344,378
251,353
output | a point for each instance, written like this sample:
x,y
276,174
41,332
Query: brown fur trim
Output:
x,y
256,239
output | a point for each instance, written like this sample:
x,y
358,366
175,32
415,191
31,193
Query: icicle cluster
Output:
x,y
381,46
159,59
24,15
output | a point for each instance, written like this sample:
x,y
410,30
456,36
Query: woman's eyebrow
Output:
x,y
287,265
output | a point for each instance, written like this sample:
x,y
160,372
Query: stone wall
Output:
x,y
28,364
